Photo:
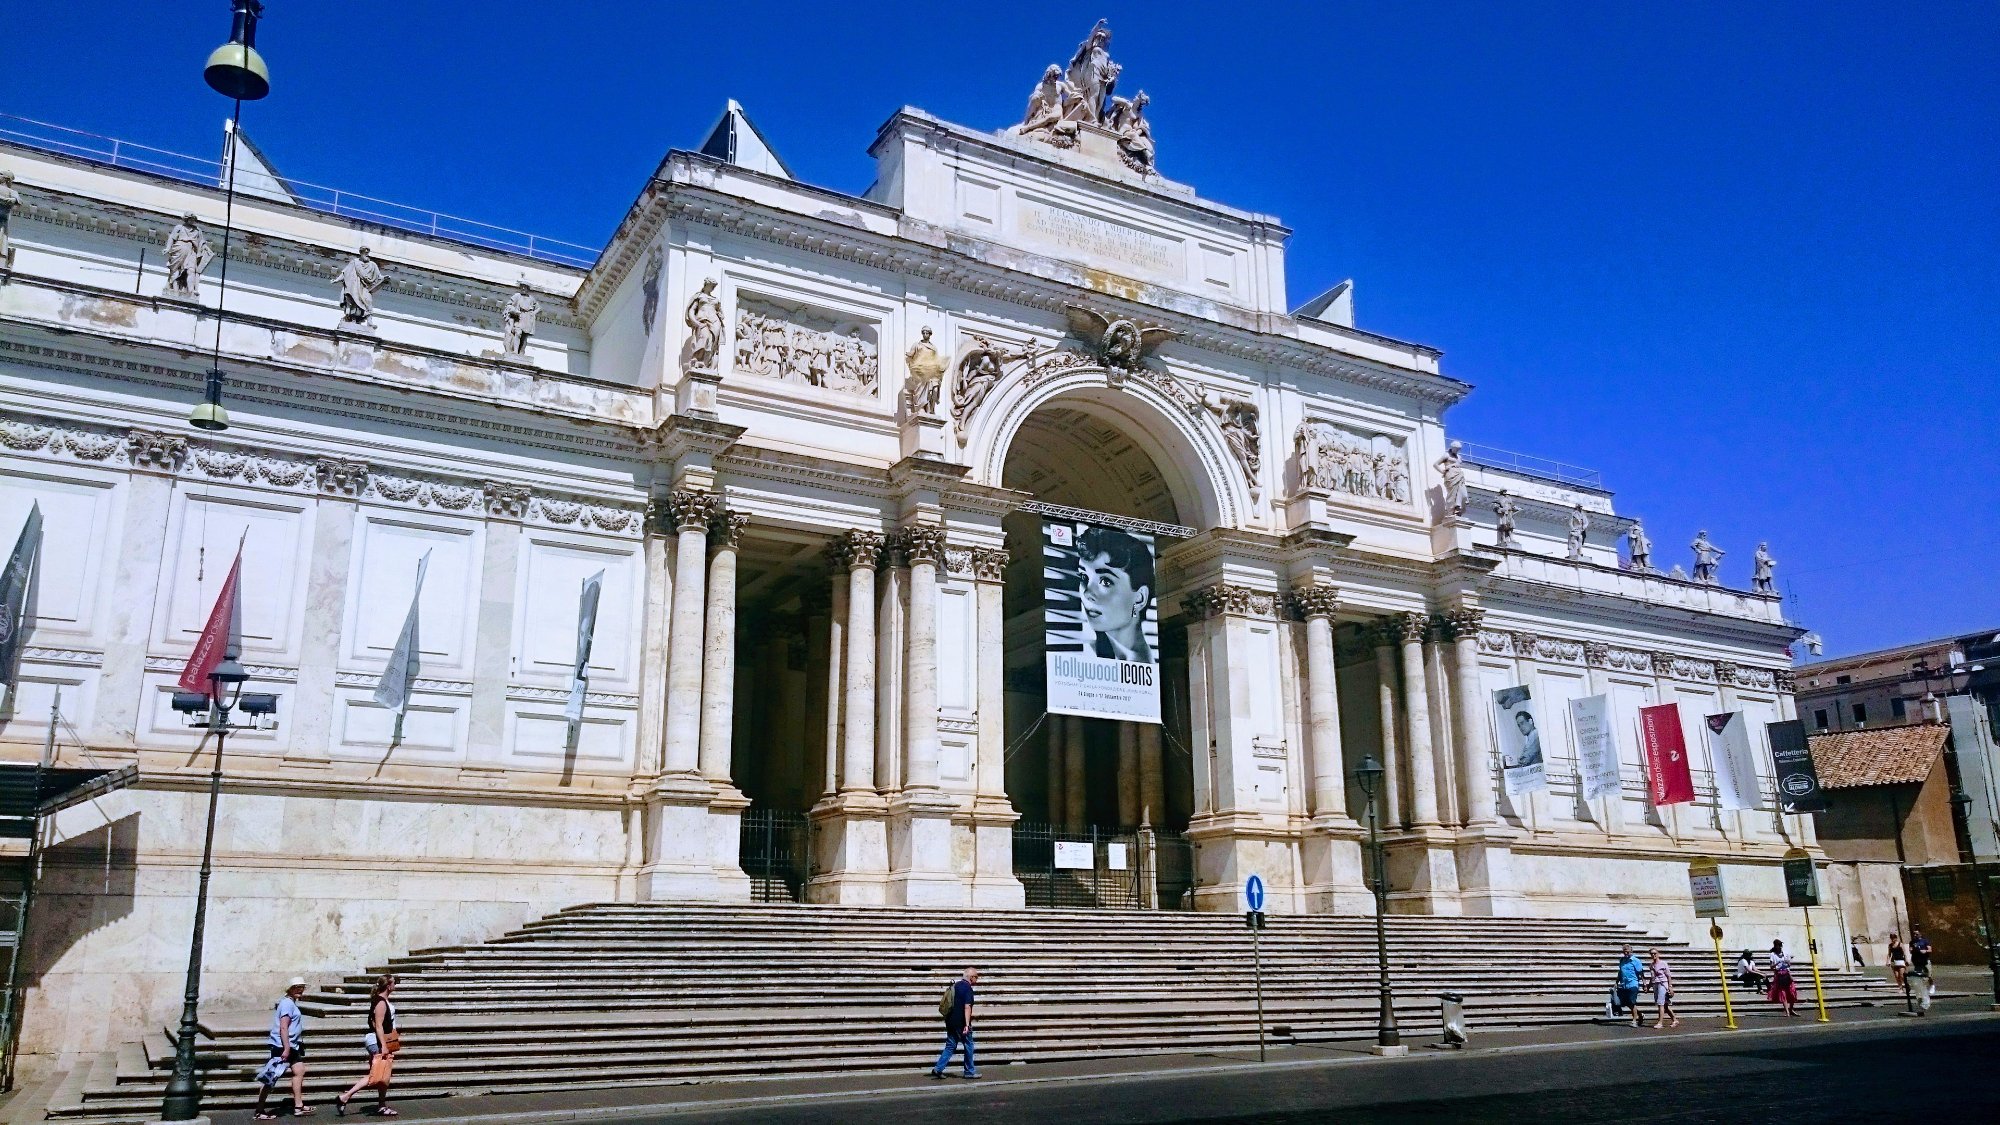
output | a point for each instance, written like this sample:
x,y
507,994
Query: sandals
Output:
x,y
340,1105
383,1111
300,1109
267,1115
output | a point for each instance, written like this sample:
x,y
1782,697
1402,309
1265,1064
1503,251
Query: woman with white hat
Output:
x,y
288,1052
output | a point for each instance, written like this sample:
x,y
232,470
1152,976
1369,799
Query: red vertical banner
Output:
x,y
1666,754
215,639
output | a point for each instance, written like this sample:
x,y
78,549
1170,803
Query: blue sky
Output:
x,y
1743,259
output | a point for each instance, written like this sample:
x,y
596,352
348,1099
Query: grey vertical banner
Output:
x,y
400,674
15,584
586,633
1798,781
1972,744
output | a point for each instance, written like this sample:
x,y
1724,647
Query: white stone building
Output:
x,y
818,600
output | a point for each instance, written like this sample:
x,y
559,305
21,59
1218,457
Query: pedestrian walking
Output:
x,y
1629,970
1854,953
956,1008
382,1042
1920,961
1899,959
288,1053
1783,991
1661,976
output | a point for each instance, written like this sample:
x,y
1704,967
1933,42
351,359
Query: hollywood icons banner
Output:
x,y
1734,762
1101,623
1798,781
1667,773
1520,741
1596,749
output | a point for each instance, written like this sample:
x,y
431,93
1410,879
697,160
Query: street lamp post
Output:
x,y
1388,1041
214,709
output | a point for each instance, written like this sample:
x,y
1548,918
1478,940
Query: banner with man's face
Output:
x,y
1101,621
1520,734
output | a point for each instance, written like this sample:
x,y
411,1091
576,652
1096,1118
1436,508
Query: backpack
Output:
x,y
950,997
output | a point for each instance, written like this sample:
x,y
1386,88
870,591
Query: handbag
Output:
x,y
392,1042
378,1071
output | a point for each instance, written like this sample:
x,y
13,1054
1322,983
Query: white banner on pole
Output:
x,y
1101,625
1520,741
1596,747
586,631
400,674
1735,765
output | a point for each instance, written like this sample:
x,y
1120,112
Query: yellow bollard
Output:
x,y
1819,992
1728,1012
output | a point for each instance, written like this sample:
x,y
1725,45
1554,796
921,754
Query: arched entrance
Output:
x,y
1118,792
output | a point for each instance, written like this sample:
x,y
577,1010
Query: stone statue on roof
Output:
x,y
188,253
1092,75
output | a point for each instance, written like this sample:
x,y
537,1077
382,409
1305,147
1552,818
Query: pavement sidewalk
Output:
x,y
1755,1019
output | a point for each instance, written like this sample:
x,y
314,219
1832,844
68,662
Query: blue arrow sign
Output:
x,y
1253,892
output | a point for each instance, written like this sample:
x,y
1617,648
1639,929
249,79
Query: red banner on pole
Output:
x,y
215,637
1666,754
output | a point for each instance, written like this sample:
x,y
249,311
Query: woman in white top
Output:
x,y
382,1041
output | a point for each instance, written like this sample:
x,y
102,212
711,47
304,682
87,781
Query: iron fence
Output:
x,y
776,854
1077,867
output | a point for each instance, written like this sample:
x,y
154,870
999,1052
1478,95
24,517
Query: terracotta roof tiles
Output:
x,y
1886,756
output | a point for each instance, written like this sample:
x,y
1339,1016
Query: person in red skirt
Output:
x,y
1783,990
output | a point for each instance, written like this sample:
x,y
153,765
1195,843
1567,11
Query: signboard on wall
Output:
x,y
1101,621
1520,736
1596,750
1798,780
1075,855
1668,778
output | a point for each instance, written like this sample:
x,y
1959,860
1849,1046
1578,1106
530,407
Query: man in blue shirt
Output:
x,y
1628,985
958,1025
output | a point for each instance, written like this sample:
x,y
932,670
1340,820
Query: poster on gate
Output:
x,y
1735,764
1521,767
1668,778
1100,622
1596,752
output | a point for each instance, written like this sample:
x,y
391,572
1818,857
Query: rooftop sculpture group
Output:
x,y
1066,101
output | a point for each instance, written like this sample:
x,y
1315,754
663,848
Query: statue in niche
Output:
x,y
1237,419
518,319
704,322
1640,546
1762,578
1135,133
358,281
1451,470
1707,558
1396,479
9,199
1504,511
188,254
1092,75
1579,527
926,380
978,370
649,284
1044,118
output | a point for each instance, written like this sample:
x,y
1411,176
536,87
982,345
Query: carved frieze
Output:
x,y
1494,641
507,501
341,478
806,347
1235,601
958,562
1337,459
1784,680
150,449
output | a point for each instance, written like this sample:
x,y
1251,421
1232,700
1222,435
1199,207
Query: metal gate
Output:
x,y
1077,867
776,854
1173,881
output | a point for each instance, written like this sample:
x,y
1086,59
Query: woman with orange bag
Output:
x,y
382,1041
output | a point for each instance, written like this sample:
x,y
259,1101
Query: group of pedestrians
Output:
x,y
288,1053
1654,975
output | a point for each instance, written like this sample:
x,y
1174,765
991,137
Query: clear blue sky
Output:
x,y
1742,258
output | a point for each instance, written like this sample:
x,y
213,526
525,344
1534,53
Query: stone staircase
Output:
x,y
631,994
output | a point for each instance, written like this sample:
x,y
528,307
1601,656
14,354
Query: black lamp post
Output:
x,y
1962,803
1387,1039
225,695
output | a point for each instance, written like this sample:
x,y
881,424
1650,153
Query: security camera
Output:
x,y
190,702
257,703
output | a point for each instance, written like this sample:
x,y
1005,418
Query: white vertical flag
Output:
x,y
1596,748
15,583
586,629
400,675
1735,764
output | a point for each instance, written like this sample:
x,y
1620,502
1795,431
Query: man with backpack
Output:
x,y
956,1008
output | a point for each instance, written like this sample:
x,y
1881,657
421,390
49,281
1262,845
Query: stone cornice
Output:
x,y
1665,664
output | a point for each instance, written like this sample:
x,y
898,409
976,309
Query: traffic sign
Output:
x,y
1253,892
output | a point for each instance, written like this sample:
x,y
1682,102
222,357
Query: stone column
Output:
x,y
1128,775
994,885
863,553
1074,806
718,666
1329,774
1389,803
891,588
691,512
819,777
1417,714
657,632
923,547
836,673
1475,740
852,845
1152,776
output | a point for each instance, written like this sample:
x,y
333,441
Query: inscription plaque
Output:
x,y
1092,239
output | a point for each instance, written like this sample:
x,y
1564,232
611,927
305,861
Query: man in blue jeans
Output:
x,y
958,1025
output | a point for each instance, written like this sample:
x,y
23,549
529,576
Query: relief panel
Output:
x,y
806,346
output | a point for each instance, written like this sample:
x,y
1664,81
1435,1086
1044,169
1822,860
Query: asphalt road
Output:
x,y
1887,1071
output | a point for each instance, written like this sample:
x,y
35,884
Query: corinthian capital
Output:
x,y
922,544
1316,601
690,510
859,550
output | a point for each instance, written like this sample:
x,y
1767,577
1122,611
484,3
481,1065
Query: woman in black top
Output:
x,y
382,1042
1899,959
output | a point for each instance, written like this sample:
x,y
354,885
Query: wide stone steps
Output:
x,y
633,994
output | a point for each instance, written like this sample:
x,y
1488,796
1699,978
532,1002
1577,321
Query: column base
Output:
x,y
920,869
1485,861
1231,847
1332,857
680,850
1423,873
994,885
725,826
851,850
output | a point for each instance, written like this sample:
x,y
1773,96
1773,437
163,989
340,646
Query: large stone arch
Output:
x,y
1185,444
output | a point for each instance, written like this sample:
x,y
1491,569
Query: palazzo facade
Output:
x,y
803,434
